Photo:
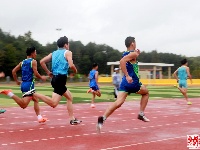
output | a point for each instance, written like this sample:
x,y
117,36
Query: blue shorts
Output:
x,y
27,86
94,87
133,87
182,83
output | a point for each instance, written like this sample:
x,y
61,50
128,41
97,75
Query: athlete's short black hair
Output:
x,y
184,61
30,50
62,41
94,65
129,40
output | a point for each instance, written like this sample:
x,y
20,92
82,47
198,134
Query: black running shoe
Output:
x,y
100,123
143,118
75,121
29,93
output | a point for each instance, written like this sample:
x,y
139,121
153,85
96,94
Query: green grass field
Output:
x,y
80,95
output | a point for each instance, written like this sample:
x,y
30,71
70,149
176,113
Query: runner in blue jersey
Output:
x,y
61,61
183,74
130,83
29,69
93,84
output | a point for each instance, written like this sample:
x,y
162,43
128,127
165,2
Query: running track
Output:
x,y
171,122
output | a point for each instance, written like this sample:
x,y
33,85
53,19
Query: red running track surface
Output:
x,y
171,122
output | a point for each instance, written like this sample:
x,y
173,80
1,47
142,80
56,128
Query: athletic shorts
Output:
x,y
94,87
133,87
58,83
27,86
182,83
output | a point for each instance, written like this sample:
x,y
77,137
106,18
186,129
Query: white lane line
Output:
x,y
146,142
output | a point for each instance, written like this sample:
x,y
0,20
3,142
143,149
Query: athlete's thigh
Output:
x,y
26,100
143,90
121,97
56,97
68,95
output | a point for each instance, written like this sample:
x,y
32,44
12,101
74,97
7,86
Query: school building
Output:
x,y
147,70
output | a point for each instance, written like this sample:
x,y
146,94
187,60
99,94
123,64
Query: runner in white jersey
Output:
x,y
61,61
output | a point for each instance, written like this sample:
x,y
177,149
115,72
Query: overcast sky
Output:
x,y
171,26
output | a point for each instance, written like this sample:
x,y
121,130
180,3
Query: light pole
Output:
x,y
58,29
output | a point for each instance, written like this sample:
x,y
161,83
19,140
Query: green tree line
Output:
x,y
13,50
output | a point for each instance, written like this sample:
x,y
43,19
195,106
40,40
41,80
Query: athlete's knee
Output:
x,y
98,94
23,106
54,104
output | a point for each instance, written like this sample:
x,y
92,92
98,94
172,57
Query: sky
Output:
x,y
168,26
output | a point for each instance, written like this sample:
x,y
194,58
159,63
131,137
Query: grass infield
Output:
x,y
80,96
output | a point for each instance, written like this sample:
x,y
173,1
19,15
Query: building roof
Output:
x,y
144,64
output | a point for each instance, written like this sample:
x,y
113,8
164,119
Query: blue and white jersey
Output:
x,y
27,70
59,62
92,78
182,73
132,69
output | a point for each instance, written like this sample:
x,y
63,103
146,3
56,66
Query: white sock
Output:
x,y
39,117
10,94
141,113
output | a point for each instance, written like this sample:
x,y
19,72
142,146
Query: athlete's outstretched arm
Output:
x,y
189,75
68,57
14,73
96,77
35,71
175,75
43,62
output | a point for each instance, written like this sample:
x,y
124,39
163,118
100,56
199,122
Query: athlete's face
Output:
x,y
133,45
34,54
66,46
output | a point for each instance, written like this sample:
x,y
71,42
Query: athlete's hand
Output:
x,y
18,82
129,79
138,51
50,74
43,78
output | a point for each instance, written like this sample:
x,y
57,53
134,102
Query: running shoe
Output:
x,y
189,103
92,106
2,111
5,92
100,123
42,120
143,118
29,93
176,86
75,121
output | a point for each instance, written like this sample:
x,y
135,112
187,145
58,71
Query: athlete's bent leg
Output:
x,y
145,97
120,100
70,109
53,102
